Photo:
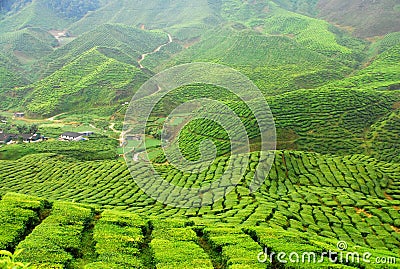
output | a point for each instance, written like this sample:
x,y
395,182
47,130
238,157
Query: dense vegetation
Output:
x,y
10,5
73,8
305,198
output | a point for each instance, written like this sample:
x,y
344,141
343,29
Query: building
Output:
x,y
87,133
28,138
71,136
133,137
19,115
6,138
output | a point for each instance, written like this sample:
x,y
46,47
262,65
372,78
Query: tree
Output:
x,y
33,129
73,8
22,129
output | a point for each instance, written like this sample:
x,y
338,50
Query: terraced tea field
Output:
x,y
326,120
321,199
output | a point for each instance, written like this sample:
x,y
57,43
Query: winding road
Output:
x,y
154,51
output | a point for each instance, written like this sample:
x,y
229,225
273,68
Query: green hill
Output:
x,y
261,59
387,42
330,121
35,14
27,45
10,75
125,43
184,19
382,73
384,137
314,34
327,121
91,79
329,71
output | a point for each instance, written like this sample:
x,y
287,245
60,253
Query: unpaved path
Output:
x,y
154,51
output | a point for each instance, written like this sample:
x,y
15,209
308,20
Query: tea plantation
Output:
x,y
329,71
309,202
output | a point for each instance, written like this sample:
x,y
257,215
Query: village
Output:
x,y
13,134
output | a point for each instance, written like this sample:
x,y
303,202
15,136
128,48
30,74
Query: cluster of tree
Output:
x,y
74,9
21,129
10,5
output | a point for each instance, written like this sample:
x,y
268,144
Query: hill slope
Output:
x,y
261,59
125,43
92,78
182,18
348,198
368,17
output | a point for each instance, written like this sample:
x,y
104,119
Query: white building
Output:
x,y
71,136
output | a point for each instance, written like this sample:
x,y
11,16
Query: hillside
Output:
x,y
92,78
184,19
33,14
261,59
327,120
305,196
380,74
368,18
10,75
124,43
27,45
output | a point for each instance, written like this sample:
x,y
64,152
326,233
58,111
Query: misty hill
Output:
x,y
368,18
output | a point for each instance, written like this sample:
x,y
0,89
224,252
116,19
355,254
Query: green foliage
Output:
x,y
35,14
127,42
262,60
188,19
118,237
327,120
27,45
18,214
176,247
8,260
381,74
325,94
73,9
90,79
96,148
387,42
383,137
11,77
237,247
59,237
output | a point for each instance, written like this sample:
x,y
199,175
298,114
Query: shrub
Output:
x,y
18,213
8,260
119,237
58,237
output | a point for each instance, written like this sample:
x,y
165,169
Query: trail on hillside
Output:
x,y
112,128
154,51
54,117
